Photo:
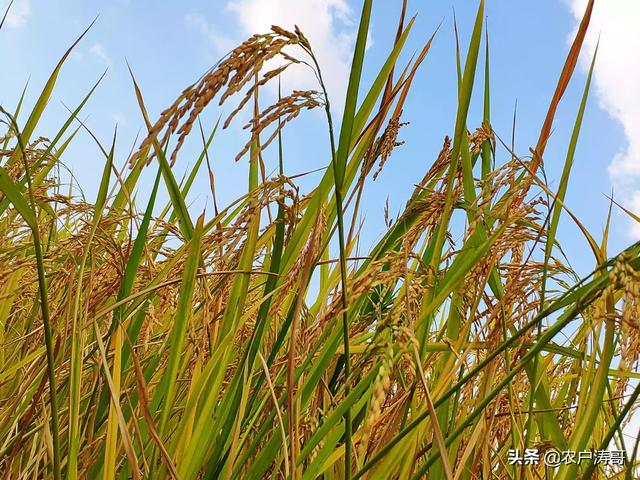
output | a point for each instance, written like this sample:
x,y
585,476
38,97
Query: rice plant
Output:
x,y
141,340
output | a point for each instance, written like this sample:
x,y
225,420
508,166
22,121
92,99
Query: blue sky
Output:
x,y
170,44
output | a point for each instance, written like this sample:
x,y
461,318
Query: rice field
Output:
x,y
142,340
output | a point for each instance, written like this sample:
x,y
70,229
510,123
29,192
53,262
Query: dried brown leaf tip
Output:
x,y
238,70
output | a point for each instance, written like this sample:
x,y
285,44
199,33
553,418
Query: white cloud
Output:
x,y
617,82
98,50
222,43
18,13
328,24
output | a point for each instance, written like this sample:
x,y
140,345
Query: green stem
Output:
x,y
343,272
48,338
46,321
